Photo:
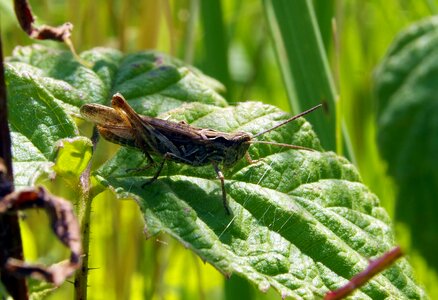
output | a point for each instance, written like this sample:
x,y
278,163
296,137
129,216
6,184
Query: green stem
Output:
x,y
84,213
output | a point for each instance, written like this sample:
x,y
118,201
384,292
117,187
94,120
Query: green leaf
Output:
x,y
36,120
64,78
406,86
301,220
155,83
46,87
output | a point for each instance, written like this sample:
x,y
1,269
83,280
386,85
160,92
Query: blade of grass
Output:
x,y
304,64
151,12
215,61
188,47
324,11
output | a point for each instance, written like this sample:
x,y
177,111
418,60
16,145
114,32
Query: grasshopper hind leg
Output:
x,y
220,175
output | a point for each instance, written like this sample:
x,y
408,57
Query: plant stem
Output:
x,y
10,236
376,266
84,212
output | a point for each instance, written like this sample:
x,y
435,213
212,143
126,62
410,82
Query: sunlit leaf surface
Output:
x,y
301,221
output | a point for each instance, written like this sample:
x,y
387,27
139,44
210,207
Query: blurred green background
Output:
x,y
231,41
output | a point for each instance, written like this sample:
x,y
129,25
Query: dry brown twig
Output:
x,y
10,235
62,33
64,224
26,19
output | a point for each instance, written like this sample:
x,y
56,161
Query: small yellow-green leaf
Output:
x,y
73,156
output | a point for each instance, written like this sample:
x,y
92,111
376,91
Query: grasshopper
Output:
x,y
174,141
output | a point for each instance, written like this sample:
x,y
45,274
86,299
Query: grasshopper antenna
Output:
x,y
288,120
282,145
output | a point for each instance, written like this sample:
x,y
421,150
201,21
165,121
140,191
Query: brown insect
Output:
x,y
174,141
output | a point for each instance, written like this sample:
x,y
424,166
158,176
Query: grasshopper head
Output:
x,y
237,146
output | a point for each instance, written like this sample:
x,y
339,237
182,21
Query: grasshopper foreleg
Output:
x,y
166,156
250,160
149,165
157,173
220,175
173,156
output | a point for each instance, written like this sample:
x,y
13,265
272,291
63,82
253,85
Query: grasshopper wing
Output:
x,y
145,132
